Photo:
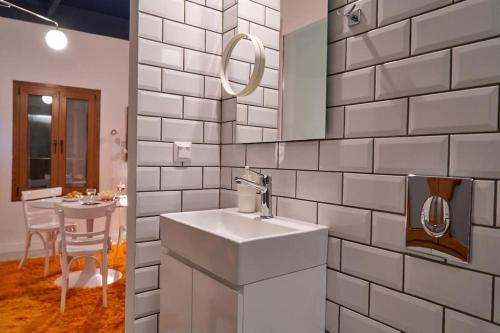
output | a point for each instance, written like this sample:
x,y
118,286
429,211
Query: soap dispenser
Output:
x,y
246,194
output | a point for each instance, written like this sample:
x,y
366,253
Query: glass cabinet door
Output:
x,y
79,141
40,145
39,141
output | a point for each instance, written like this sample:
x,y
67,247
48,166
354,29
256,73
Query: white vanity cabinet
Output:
x,y
226,272
193,302
216,307
176,290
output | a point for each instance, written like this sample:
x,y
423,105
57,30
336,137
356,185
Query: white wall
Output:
x,y
297,14
90,61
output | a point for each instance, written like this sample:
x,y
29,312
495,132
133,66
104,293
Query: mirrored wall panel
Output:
x,y
303,41
290,101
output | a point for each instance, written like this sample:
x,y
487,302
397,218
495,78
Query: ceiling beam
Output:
x,y
52,7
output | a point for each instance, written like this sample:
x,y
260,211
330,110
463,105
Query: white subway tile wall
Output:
x,y
147,229
336,57
176,33
399,92
466,73
179,99
333,260
256,118
348,291
485,13
394,10
416,75
410,90
470,110
464,290
335,122
351,321
385,118
404,155
332,317
351,87
404,312
346,222
146,279
146,324
379,45
458,322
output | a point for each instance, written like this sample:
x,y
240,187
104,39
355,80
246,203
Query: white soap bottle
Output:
x,y
246,194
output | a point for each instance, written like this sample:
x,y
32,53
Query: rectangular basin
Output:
x,y
243,248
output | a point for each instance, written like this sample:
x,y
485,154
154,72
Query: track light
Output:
x,y
55,38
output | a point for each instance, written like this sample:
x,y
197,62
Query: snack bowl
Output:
x,y
106,196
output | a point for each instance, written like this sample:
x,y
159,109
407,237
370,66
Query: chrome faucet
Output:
x,y
265,186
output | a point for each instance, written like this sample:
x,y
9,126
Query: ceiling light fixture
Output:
x,y
55,38
47,99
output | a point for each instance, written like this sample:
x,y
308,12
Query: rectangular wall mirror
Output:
x,y
303,39
290,102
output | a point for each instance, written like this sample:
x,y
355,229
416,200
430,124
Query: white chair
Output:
x,y
75,245
40,222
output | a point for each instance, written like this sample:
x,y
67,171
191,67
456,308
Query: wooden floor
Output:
x,y
30,303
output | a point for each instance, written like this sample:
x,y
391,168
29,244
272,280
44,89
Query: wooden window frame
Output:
x,y
19,133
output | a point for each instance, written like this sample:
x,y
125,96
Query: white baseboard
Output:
x,y
36,244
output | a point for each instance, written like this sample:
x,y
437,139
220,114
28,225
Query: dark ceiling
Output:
x,y
101,17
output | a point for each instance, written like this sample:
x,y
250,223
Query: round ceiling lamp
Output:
x,y
56,39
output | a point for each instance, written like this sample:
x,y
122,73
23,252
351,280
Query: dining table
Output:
x,y
90,276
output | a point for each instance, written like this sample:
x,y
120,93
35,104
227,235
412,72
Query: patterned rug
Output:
x,y
30,303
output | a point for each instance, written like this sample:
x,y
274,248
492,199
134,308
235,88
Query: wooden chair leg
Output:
x,y
26,250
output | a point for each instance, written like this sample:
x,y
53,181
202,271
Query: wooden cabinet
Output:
x,y
55,137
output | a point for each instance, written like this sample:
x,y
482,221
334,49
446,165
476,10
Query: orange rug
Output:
x,y
30,303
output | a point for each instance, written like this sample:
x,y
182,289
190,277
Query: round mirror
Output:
x,y
258,71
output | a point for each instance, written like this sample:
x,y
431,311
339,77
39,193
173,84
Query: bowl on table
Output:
x,y
106,196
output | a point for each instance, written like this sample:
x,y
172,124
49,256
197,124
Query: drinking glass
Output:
x,y
91,192
120,187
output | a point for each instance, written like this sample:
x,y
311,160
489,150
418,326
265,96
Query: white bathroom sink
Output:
x,y
243,248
